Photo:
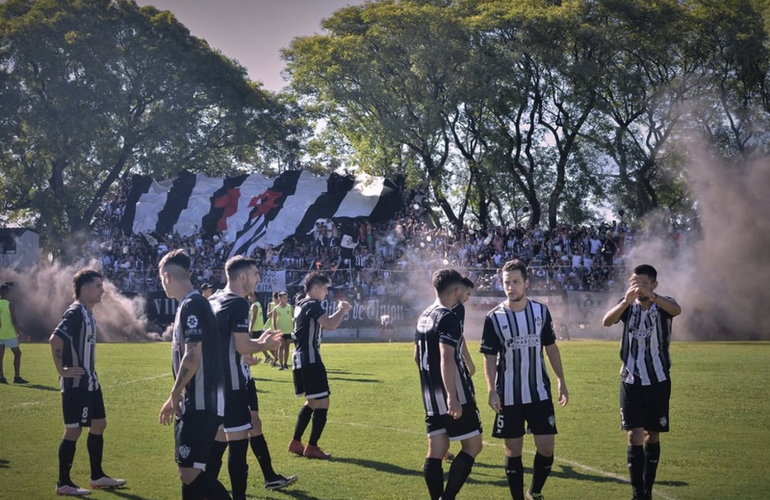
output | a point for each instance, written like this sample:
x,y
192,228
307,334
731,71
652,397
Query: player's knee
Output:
x,y
16,352
545,450
72,433
651,437
98,426
256,424
473,446
636,437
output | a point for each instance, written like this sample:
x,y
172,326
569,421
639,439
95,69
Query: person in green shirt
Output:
x,y
9,336
283,320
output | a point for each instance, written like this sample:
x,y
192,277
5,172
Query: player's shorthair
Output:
x,y
315,278
176,257
468,283
445,278
238,264
647,270
515,265
83,277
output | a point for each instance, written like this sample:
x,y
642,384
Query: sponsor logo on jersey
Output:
x,y
642,333
523,342
192,321
425,324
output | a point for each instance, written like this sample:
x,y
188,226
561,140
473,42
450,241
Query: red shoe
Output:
x,y
315,452
296,447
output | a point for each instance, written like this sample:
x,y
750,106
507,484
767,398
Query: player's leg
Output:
x,y
438,444
2,356
305,414
632,421
542,423
17,366
657,402
320,406
194,434
466,429
73,404
514,467
95,443
214,464
651,459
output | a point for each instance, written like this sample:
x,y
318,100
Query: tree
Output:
x,y
94,89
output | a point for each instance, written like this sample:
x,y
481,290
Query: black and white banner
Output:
x,y
253,210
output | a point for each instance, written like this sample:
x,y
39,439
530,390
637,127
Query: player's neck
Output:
x,y
445,302
644,304
517,306
235,290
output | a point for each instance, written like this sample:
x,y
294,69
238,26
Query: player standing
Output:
x,y
10,336
645,381
242,425
308,369
450,406
283,321
197,401
515,333
73,345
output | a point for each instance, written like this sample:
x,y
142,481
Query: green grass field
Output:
x,y
719,446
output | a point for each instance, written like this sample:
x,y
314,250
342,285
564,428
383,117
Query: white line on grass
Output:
x,y
127,382
588,468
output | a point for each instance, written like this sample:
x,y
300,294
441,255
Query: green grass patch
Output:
x,y
719,446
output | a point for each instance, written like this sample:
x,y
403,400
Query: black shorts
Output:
x,y
467,426
539,417
194,434
80,406
253,401
645,406
311,381
256,334
237,413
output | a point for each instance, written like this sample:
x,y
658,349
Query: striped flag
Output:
x,y
252,210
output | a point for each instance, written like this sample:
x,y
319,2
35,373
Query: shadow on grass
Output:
x,y
362,380
379,466
291,493
39,387
4,464
124,493
345,372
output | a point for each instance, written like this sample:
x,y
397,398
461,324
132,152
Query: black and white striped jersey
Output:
x,y
232,312
308,332
517,339
438,325
78,331
195,322
644,347
459,311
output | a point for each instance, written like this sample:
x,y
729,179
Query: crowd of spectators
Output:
x,y
383,258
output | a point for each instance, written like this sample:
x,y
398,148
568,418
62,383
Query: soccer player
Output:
x,y
271,356
256,320
307,367
645,382
73,345
283,321
196,404
515,333
242,425
459,309
450,406
9,336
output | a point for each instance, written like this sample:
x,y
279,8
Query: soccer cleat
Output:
x,y
106,482
296,447
19,380
281,367
279,482
449,456
71,490
534,496
3,381
315,452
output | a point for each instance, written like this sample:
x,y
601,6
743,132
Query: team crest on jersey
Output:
x,y
192,321
663,421
539,322
425,324
552,421
184,451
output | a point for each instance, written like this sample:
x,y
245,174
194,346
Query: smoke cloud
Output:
x,y
42,294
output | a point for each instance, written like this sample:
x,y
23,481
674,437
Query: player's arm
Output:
x,y
668,305
468,360
614,314
490,346
60,340
554,358
13,321
254,310
268,341
335,320
193,350
274,319
448,375
416,356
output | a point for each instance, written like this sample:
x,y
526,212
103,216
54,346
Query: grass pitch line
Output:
x,y
127,382
587,468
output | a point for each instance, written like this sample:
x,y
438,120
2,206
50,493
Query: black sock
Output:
x,y
541,469
434,477
212,489
66,457
303,419
458,474
214,465
635,457
319,422
651,458
238,468
514,471
193,490
259,447
95,444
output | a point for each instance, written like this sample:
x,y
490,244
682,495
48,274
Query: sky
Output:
x,y
252,31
